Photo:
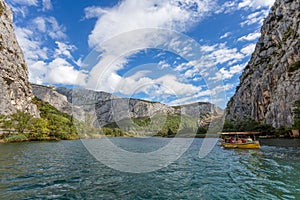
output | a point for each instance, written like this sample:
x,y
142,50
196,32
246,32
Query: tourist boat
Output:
x,y
240,140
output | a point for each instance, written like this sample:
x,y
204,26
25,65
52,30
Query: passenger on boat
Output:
x,y
227,140
249,139
239,141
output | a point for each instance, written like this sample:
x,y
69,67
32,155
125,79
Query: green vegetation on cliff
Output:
x,y
56,125
53,125
295,66
296,112
248,124
159,125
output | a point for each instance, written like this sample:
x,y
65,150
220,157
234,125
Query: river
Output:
x,y
66,170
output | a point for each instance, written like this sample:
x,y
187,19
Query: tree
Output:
x,y
296,112
170,132
201,131
58,126
2,119
21,121
228,126
39,128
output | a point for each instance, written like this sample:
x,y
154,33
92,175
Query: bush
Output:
x,y
53,124
294,66
15,138
201,131
247,124
21,121
296,124
296,112
113,132
282,131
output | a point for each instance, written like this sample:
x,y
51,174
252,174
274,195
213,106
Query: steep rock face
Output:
x,y
270,83
102,108
121,108
15,90
116,109
65,100
51,96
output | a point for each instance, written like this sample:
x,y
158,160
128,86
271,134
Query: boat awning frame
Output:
x,y
240,133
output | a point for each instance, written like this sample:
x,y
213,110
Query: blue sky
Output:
x,y
172,51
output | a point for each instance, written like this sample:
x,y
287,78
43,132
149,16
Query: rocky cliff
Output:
x,y
15,90
270,83
104,108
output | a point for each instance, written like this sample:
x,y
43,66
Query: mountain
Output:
x,y
106,108
15,89
270,83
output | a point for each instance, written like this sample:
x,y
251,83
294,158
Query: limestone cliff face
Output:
x,y
15,90
270,82
103,108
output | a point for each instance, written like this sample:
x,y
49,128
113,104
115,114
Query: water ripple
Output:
x,y
65,170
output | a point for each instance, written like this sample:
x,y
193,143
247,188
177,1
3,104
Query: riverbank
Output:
x,y
26,137
20,138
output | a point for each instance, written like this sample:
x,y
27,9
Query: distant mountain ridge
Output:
x,y
270,83
106,108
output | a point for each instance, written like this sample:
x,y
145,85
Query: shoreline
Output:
x,y
264,138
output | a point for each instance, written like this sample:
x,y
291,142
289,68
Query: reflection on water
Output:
x,y
281,142
66,170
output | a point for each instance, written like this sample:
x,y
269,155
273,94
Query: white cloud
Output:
x,y
213,56
248,50
136,14
230,7
64,49
94,12
47,5
50,27
58,71
225,35
80,63
40,24
49,64
32,49
234,70
163,64
127,23
56,31
250,37
222,54
227,7
165,85
25,2
208,48
206,95
255,4
255,18
37,72
19,10
33,38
